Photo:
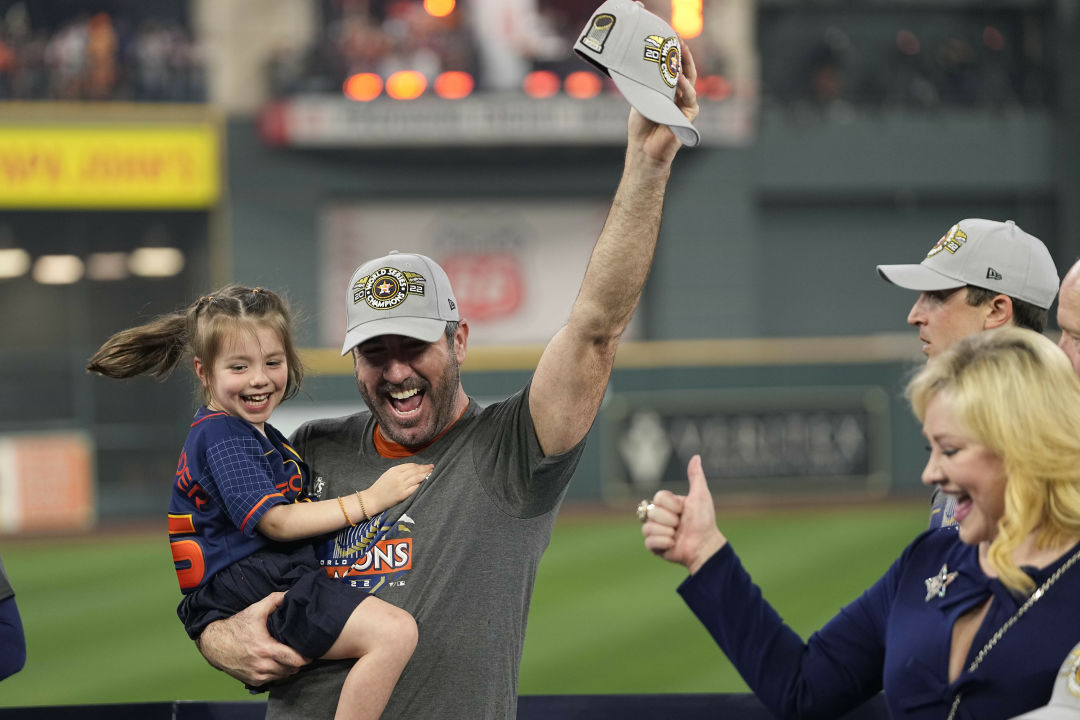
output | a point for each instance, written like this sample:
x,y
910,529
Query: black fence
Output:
x,y
530,707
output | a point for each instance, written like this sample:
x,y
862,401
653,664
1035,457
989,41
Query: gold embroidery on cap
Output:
x,y
387,287
598,33
950,241
666,53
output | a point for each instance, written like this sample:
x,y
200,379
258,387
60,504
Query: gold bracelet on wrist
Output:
x,y
345,513
362,508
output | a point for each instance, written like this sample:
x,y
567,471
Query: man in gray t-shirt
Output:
x,y
461,554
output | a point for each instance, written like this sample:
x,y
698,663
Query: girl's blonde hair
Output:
x,y
201,330
1018,395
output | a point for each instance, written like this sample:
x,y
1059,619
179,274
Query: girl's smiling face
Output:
x,y
965,469
249,376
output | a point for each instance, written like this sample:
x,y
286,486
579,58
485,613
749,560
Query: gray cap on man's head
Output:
x,y
399,294
998,256
643,56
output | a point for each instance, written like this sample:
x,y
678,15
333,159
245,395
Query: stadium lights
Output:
x,y
439,8
406,85
583,84
58,269
107,266
156,262
454,85
147,262
540,84
687,18
363,87
14,262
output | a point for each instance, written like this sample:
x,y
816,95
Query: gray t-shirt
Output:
x,y
460,554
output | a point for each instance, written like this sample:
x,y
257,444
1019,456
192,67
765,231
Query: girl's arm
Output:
x,y
295,521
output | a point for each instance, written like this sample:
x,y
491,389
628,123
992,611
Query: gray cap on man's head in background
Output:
x,y
399,294
643,55
998,256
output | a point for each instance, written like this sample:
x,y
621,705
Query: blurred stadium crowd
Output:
x,y
887,56
826,56
54,51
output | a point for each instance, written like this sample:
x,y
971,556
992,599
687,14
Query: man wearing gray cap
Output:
x,y
461,553
1007,277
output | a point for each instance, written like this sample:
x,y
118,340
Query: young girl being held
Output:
x,y
239,521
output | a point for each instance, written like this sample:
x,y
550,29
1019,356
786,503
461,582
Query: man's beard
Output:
x,y
441,402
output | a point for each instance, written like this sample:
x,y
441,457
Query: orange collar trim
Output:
x,y
390,449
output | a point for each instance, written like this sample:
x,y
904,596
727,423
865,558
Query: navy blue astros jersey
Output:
x,y
229,474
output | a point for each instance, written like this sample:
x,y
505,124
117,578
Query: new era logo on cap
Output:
x,y
400,294
643,56
997,256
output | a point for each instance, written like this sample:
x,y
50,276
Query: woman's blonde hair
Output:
x,y
1017,394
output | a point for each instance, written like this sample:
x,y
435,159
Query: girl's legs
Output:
x,y
382,638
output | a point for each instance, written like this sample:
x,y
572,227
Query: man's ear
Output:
x,y
999,312
461,340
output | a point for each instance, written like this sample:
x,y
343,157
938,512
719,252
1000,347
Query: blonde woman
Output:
x,y
973,620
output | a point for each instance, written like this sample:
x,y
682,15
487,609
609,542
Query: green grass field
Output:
x,y
101,627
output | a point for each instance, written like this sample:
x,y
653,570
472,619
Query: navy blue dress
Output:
x,y
896,637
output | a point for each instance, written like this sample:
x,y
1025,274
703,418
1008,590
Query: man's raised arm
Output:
x,y
574,369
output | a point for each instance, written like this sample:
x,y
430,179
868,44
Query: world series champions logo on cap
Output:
x,y
387,288
950,241
665,52
598,33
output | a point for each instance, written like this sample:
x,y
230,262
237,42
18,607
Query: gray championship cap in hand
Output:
x,y
643,56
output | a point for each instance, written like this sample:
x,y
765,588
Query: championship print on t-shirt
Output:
x,y
371,555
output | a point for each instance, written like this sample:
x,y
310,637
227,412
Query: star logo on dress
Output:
x,y
935,586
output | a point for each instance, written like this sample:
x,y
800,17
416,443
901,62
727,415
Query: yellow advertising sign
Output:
x,y
114,166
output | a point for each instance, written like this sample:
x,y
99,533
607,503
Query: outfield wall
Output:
x,y
741,416
769,248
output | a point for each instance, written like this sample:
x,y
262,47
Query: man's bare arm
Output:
x,y
574,368
242,647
